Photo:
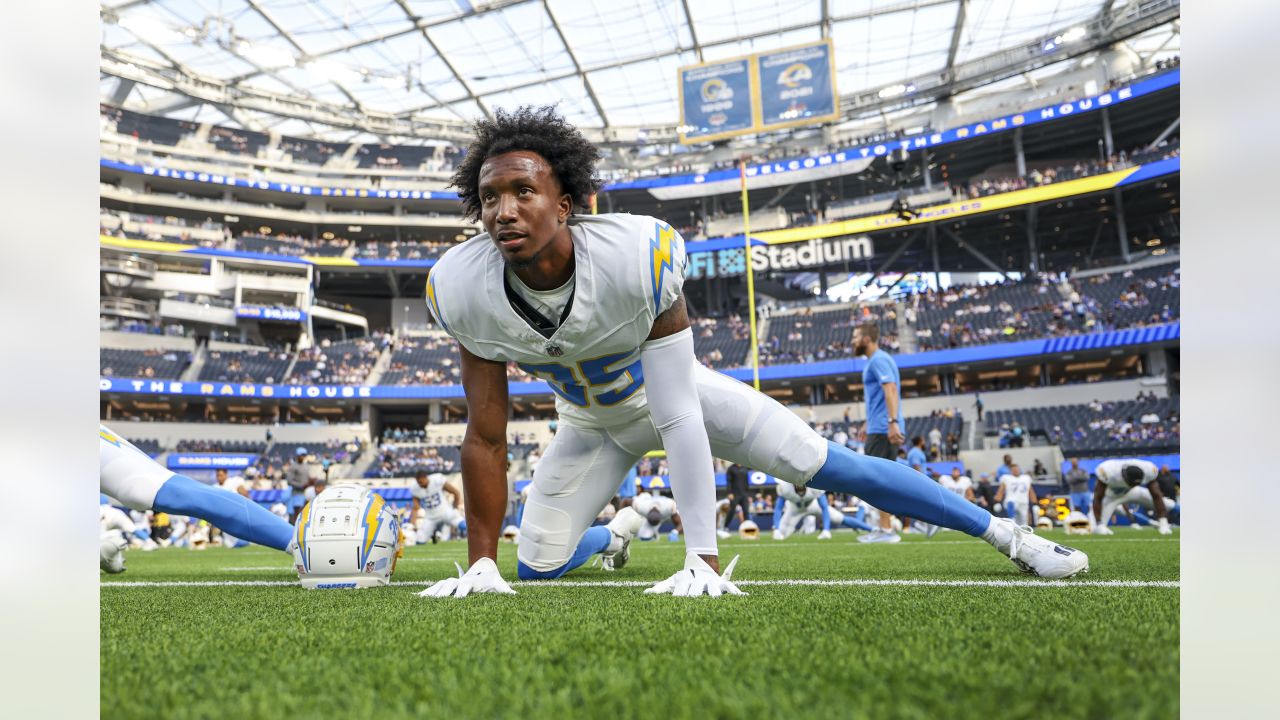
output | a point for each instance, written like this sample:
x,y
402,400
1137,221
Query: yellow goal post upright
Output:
x,y
751,282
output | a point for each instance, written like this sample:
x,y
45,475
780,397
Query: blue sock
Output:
x,y
897,489
856,523
230,512
594,540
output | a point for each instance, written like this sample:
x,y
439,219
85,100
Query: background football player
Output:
x,y
798,505
1121,482
440,516
656,509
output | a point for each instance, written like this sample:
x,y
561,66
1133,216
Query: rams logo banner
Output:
x,y
797,86
716,100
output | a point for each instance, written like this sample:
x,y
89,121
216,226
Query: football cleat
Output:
x,y
723,534
624,527
880,536
1042,557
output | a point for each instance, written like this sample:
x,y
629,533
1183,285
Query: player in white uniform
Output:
x,y
800,504
655,510
131,477
958,483
1121,482
1017,495
593,305
439,514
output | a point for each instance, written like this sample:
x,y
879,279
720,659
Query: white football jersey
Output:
x,y
645,502
1110,473
956,485
1016,487
629,269
788,492
431,497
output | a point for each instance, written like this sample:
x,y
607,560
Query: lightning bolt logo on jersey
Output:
x,y
628,270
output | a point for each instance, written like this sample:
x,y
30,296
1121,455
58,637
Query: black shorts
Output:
x,y
878,446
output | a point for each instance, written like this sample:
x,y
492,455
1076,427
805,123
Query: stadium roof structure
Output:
x,y
363,69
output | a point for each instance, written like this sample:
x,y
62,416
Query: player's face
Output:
x,y
521,205
422,481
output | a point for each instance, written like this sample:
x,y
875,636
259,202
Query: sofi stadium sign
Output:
x,y
792,256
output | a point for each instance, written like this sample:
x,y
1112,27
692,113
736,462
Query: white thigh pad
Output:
x,y
754,430
126,473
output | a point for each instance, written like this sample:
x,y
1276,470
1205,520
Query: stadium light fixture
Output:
x,y
892,91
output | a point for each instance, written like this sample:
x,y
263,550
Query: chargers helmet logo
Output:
x,y
795,74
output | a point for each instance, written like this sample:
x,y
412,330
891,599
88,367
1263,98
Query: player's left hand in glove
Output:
x,y
483,577
697,578
1163,527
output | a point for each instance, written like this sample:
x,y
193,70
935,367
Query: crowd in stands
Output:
x,y
1146,424
403,250
1047,175
115,362
345,362
291,245
141,327
220,446
807,336
721,342
246,366
430,360
404,460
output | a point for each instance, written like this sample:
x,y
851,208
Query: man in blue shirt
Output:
x,y
915,456
882,433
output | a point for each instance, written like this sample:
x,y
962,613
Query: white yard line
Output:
x,y
860,582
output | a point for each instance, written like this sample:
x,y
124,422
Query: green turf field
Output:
x,y
922,629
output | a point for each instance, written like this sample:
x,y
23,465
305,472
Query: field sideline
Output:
x,y
941,627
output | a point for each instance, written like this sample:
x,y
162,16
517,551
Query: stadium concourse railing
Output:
x,y
1041,347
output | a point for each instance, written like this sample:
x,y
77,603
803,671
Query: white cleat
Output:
x,y
624,527
777,534
723,534
1042,557
880,536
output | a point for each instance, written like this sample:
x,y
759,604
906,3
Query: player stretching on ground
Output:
x,y
593,305
130,476
439,516
1121,482
655,509
798,504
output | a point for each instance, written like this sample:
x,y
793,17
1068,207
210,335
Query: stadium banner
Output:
x,y
1167,333
800,168
280,314
717,100
210,460
812,254
797,86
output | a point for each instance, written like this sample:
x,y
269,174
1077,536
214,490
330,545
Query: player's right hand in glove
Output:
x,y
697,578
1100,529
483,577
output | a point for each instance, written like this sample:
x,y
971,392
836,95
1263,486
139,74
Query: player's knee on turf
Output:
x,y
542,553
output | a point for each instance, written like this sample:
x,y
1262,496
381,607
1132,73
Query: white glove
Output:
x,y
697,578
824,535
483,577
777,534
1100,529
1163,526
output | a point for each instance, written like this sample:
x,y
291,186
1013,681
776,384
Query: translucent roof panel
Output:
x,y
992,25
642,93
500,50
881,50
719,21
606,33
458,59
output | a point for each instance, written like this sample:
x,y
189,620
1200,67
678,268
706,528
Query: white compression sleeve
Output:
x,y
669,365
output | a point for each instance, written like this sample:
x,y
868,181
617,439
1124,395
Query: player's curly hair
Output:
x,y
541,130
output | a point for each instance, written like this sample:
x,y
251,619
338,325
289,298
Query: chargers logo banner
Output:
x,y
716,100
797,86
